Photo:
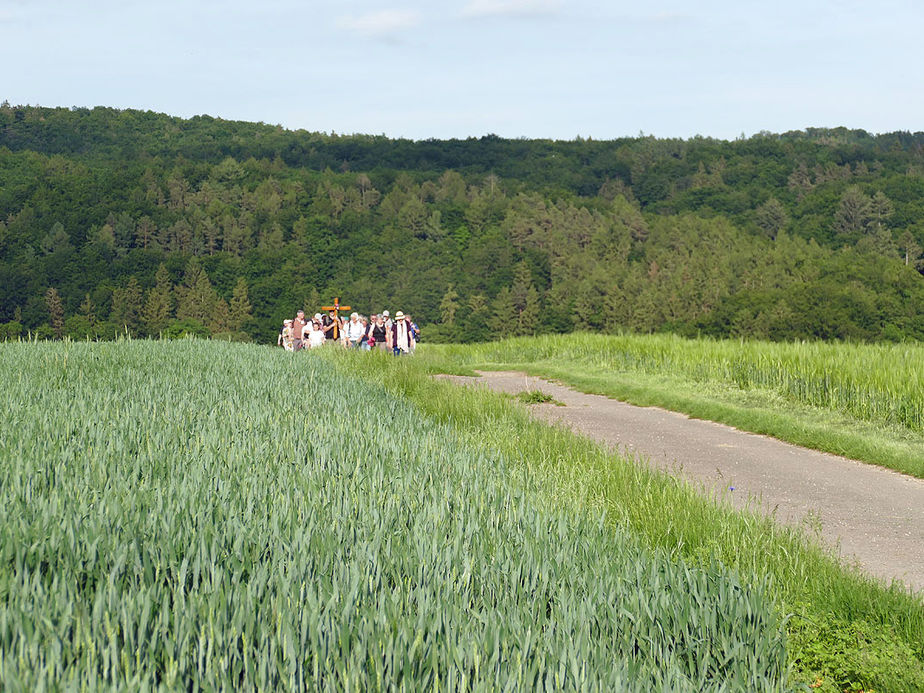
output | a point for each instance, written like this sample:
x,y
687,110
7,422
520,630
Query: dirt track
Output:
x,y
874,515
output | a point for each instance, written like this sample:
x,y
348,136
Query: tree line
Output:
x,y
115,221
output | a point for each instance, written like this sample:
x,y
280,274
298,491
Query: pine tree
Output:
x,y
240,312
881,210
310,301
104,237
55,311
504,313
211,235
88,310
272,241
196,298
219,319
449,306
127,306
158,307
528,319
123,231
525,300
771,217
146,233
854,214
910,248
181,236
477,322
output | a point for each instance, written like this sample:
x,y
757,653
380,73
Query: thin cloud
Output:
x,y
381,24
671,17
510,8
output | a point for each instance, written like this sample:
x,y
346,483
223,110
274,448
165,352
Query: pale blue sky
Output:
x,y
459,68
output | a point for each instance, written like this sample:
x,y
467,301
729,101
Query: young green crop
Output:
x,y
213,516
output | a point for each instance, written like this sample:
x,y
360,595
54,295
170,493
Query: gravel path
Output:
x,y
874,515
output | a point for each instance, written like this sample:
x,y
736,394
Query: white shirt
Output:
x,y
354,330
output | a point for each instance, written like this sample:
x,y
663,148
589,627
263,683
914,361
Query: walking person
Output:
x,y
415,332
332,327
354,331
298,329
378,333
389,323
367,342
316,336
402,337
285,336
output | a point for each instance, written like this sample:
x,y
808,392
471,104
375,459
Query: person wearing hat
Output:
x,y
402,336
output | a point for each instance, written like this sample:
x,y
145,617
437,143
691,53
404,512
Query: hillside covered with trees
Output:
x,y
113,220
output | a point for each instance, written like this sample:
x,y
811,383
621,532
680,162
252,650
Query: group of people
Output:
x,y
399,335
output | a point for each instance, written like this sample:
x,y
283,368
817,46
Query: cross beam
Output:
x,y
336,307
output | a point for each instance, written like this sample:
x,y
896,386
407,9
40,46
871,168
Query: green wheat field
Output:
x,y
208,516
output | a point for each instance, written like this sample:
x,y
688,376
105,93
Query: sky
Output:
x,y
465,68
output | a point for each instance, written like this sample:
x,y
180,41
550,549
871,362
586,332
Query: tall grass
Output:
x,y
875,382
862,401
195,515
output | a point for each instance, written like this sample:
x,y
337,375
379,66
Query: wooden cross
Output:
x,y
336,307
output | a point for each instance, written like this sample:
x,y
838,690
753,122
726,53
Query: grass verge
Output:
x,y
749,407
755,411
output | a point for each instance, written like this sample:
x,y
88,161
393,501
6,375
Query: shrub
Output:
x,y
188,327
42,332
853,656
238,336
10,331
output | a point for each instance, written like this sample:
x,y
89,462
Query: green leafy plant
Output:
x,y
537,397
840,655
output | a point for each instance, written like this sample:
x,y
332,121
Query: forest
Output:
x,y
124,221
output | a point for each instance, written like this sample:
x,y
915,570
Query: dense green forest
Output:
x,y
126,220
